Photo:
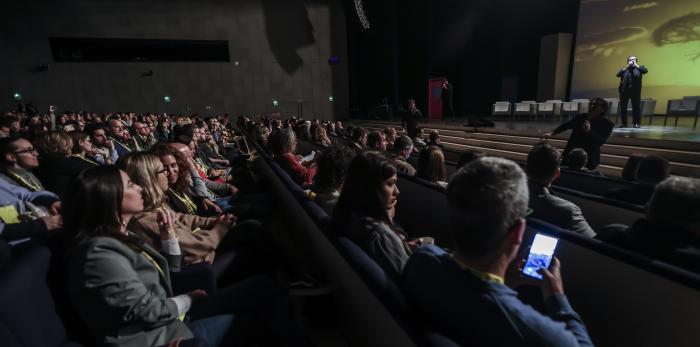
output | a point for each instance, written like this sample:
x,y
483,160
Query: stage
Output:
x,y
514,139
656,131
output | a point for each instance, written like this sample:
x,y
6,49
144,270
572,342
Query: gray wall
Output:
x,y
282,47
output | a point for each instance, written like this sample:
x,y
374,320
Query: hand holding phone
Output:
x,y
540,256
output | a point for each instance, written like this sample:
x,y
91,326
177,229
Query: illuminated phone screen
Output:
x,y
540,256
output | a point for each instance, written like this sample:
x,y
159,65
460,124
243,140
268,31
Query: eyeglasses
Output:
x,y
28,150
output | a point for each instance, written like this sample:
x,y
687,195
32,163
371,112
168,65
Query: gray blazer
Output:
x,y
121,295
560,212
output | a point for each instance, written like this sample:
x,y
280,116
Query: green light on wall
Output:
x,y
17,96
167,99
275,103
330,98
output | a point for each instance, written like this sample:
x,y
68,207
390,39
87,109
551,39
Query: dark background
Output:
x,y
471,42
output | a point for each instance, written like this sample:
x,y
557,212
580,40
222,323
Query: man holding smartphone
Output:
x,y
631,89
465,294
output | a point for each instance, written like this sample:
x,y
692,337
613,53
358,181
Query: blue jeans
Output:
x,y
212,331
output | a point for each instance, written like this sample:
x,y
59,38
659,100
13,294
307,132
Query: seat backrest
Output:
x,y
690,102
650,303
590,184
600,211
422,210
374,276
27,308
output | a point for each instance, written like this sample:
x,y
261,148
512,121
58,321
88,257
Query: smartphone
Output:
x,y
540,256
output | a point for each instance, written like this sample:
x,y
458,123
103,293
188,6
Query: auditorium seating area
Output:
x,y
347,297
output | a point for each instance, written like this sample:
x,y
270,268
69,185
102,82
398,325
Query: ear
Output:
x,y
516,233
10,158
557,173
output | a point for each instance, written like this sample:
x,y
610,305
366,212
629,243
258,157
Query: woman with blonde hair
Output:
x,y
198,237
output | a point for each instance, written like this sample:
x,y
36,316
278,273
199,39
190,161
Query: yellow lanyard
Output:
x,y
155,263
485,276
85,159
191,206
123,145
29,185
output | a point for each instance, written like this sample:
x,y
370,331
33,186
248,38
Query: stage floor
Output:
x,y
653,132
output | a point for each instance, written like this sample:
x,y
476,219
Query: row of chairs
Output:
x,y
687,106
390,313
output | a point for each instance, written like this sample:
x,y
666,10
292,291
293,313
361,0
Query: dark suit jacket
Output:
x,y
631,79
57,171
553,209
591,141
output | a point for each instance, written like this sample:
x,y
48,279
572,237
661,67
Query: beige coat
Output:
x,y
198,236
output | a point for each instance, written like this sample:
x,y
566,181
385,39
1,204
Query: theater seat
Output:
x,y
374,276
28,312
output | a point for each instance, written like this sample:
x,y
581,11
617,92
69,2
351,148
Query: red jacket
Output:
x,y
299,173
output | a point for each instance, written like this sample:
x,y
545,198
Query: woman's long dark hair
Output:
x,y
362,188
93,204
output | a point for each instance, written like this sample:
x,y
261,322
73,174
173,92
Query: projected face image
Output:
x,y
666,33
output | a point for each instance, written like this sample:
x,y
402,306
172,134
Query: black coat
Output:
x,y
57,171
591,141
631,80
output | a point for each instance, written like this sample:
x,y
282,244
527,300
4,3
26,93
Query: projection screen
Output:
x,y
664,35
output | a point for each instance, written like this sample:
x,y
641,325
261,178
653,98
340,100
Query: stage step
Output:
x,y
516,146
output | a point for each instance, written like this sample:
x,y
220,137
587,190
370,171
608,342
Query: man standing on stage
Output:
x,y
410,118
446,96
588,131
631,88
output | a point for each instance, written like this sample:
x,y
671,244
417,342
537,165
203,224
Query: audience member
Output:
x,y
578,158
652,170
198,236
359,139
18,158
401,151
365,212
105,152
376,141
542,169
431,166
629,171
27,214
56,166
468,156
332,168
464,295
671,229
390,136
434,140
82,145
120,285
284,144
119,136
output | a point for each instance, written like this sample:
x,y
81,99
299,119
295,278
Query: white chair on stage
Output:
x,y
525,108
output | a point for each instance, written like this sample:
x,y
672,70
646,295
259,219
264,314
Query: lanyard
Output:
x,y
191,207
29,185
85,159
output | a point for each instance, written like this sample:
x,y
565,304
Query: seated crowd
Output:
x,y
467,293
135,204
133,212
